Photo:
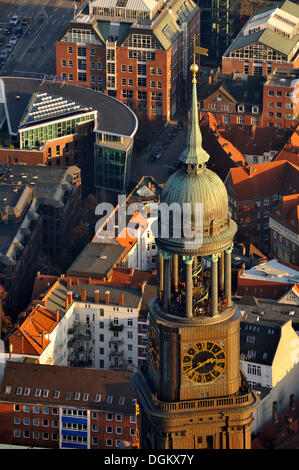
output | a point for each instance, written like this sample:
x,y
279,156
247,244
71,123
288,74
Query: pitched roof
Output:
x,y
262,289
260,339
30,336
287,212
255,181
68,380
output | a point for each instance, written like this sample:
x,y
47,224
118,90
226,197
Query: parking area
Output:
x,y
162,159
28,32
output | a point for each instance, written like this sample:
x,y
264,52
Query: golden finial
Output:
x,y
194,67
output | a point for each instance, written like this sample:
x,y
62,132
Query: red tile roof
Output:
x,y
30,337
287,212
255,181
256,140
262,289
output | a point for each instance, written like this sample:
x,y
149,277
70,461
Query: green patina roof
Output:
x,y
194,153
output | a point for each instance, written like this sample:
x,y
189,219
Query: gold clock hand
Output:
x,y
211,359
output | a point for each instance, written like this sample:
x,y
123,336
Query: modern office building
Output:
x,y
268,40
57,124
218,25
138,52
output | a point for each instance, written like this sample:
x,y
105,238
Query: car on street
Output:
x,y
13,40
1,40
3,57
14,20
158,155
25,20
19,31
8,30
9,47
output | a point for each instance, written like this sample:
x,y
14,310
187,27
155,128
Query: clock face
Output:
x,y
153,349
203,362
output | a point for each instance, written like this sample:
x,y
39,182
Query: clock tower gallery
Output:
x,y
191,392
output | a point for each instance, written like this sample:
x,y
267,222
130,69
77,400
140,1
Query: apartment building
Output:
x,y
66,407
284,229
281,98
87,322
138,52
268,40
38,206
254,191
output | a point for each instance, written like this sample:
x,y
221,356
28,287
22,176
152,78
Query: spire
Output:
x,y
194,154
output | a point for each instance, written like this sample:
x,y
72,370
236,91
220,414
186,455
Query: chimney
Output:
x,y
210,80
78,281
107,297
275,411
83,295
69,282
89,280
96,296
292,401
66,303
70,297
121,299
57,316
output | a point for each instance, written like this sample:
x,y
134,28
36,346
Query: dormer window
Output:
x,y
241,108
219,97
255,109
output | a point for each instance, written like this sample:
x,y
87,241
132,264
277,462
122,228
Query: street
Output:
x,y
34,54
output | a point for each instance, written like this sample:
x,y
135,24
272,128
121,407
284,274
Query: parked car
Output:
x,y
1,40
8,30
14,20
3,57
25,20
9,47
19,31
13,40
158,155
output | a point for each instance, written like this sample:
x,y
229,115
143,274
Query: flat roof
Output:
x,y
113,116
96,259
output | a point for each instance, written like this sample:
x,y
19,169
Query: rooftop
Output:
x,y
61,383
287,212
273,271
18,92
254,181
97,260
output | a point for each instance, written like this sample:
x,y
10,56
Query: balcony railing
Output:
x,y
244,397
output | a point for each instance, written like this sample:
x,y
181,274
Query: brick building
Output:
x,y
232,99
281,98
38,207
253,192
66,408
138,52
268,40
54,124
284,229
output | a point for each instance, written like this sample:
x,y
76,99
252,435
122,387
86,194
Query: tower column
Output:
x,y
214,286
188,260
228,275
221,271
166,280
161,272
175,268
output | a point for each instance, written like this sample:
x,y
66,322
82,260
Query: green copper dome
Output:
x,y
195,184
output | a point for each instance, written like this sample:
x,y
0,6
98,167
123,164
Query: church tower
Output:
x,y
191,392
